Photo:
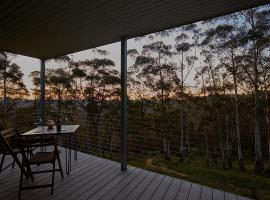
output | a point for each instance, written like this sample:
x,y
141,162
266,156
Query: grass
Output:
x,y
231,180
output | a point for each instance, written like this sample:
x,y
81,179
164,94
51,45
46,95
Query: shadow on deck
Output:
x,y
97,178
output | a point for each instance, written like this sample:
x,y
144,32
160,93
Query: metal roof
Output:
x,y
51,28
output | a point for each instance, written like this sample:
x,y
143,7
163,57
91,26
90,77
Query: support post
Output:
x,y
42,92
124,114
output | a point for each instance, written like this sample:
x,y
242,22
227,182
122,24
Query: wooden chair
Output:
x,y
16,149
37,158
9,138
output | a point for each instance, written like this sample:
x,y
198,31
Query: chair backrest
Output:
x,y
10,139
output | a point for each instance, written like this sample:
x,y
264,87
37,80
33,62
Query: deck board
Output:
x,y
195,192
151,188
207,193
218,194
111,184
183,192
118,188
162,189
131,187
141,187
173,189
97,178
75,183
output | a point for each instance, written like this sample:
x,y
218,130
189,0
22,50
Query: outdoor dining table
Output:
x,y
67,131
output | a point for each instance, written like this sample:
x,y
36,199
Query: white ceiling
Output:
x,y
52,28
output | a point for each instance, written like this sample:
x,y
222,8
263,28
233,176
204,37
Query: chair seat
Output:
x,y
18,150
42,157
37,142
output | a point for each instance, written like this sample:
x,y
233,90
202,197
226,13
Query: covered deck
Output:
x,y
97,178
46,30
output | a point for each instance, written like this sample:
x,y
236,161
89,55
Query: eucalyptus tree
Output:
x,y
213,78
140,95
101,87
255,37
201,79
35,77
78,75
186,61
158,72
265,87
224,39
59,82
11,84
101,83
137,85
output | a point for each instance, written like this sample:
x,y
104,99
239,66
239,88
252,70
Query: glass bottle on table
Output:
x,y
58,124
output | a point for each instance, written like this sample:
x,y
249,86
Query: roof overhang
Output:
x,y
47,29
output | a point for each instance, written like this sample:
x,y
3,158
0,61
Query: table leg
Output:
x,y
41,146
69,149
68,153
75,147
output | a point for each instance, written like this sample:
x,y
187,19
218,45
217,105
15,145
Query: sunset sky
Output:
x,y
29,64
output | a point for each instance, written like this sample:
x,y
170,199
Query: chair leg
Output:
x,y
2,160
60,165
13,164
53,172
20,187
28,172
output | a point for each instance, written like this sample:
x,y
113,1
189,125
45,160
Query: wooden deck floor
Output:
x,y
96,178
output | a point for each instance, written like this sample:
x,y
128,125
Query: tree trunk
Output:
x,y
205,128
222,150
228,152
267,119
259,166
206,144
5,101
268,131
181,153
168,153
164,145
141,141
187,135
237,123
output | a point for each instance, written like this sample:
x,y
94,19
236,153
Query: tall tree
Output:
x,y
214,88
186,63
158,72
59,82
102,83
256,28
138,92
224,40
12,87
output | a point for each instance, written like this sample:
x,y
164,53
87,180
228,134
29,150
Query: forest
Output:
x,y
198,101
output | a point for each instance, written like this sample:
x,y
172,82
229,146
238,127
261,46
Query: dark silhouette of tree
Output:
x,y
59,84
102,85
186,62
224,40
158,72
255,37
12,87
